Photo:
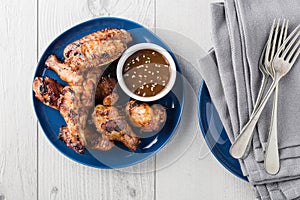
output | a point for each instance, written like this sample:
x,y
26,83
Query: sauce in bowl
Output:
x,y
146,72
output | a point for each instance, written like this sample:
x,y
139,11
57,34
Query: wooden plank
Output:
x,y
60,178
190,18
196,175
18,129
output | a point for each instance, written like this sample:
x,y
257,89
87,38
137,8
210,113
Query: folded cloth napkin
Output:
x,y
253,19
240,30
248,25
273,190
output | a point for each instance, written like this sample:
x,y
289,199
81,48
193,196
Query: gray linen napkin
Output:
x,y
246,45
254,24
276,191
247,26
240,42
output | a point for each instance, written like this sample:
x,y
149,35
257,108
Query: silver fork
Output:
x,y
241,146
272,161
273,125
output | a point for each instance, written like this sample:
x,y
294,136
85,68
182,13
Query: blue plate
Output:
x,y
50,119
214,133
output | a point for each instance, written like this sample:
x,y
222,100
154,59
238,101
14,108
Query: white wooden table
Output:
x,y
30,168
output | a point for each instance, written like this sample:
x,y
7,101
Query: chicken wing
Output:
x,y
94,50
47,91
148,118
112,124
97,48
64,99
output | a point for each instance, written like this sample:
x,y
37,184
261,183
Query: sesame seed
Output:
x,y
133,76
142,87
157,72
144,56
140,81
155,65
126,75
163,84
151,81
133,86
152,73
146,70
128,64
140,76
139,92
149,72
148,58
153,52
144,94
145,76
134,72
146,66
151,89
137,59
147,86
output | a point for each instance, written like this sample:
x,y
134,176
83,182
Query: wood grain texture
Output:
x,y
18,132
190,18
60,178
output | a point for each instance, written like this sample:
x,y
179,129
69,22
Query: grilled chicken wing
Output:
x,y
64,71
148,118
76,135
94,50
47,91
112,124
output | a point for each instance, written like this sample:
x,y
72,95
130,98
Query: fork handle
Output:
x,y
272,162
243,139
239,147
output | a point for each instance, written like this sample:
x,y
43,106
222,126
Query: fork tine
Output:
x,y
285,35
295,57
286,30
282,48
282,34
274,40
269,42
294,39
293,51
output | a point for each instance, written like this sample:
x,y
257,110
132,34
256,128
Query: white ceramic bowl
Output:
x,y
131,50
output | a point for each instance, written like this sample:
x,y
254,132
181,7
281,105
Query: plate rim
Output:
x,y
104,166
212,149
